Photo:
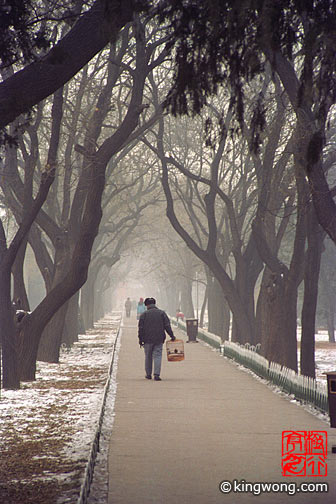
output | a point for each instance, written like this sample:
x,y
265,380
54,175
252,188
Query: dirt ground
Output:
x,y
47,427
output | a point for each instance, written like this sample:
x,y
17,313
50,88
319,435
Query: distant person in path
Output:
x,y
140,308
153,325
128,307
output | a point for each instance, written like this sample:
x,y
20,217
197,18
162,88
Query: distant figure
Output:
x,y
179,315
140,308
152,326
128,307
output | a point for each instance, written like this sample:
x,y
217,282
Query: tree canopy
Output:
x,y
229,41
92,31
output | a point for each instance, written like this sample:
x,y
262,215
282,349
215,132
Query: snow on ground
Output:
x,y
325,361
47,426
325,355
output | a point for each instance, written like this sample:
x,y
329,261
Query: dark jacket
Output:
x,y
152,326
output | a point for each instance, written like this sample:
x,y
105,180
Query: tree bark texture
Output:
x,y
331,319
204,305
187,306
49,347
50,343
87,302
7,258
19,289
10,375
278,319
311,276
71,327
218,310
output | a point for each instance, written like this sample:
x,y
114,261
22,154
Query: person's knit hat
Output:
x,y
149,301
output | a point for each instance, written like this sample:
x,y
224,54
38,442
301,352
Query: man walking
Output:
x,y
152,326
128,307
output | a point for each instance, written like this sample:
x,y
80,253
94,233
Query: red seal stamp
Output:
x,y
304,453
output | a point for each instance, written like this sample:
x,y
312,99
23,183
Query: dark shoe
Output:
x,y
157,378
148,376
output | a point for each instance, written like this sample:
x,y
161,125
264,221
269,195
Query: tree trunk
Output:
x,y
19,289
50,344
172,295
277,305
204,305
28,347
331,319
311,277
10,375
87,300
240,317
218,311
277,319
98,305
71,327
330,302
108,300
99,291
187,306
247,272
8,333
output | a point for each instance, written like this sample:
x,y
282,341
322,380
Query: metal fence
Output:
x,y
303,388
88,476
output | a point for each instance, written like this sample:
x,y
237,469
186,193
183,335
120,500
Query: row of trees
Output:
x,y
74,144
246,183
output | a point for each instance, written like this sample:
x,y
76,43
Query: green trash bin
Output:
x,y
192,329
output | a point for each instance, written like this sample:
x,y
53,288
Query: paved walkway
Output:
x,y
174,441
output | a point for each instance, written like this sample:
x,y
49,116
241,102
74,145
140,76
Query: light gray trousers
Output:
x,y
153,352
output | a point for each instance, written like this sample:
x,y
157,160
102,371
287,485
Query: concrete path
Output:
x,y
207,421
